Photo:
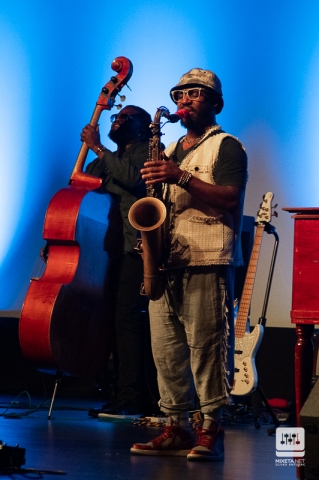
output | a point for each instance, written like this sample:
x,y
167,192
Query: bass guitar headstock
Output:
x,y
266,210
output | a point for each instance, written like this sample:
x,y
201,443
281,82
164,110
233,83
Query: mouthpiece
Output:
x,y
182,113
174,117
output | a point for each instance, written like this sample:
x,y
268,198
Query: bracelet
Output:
x,y
185,179
100,149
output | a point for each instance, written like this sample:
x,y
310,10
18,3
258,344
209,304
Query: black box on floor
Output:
x,y
309,420
11,457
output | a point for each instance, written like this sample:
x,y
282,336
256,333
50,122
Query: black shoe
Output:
x,y
124,410
94,412
114,408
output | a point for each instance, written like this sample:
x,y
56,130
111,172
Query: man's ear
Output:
x,y
214,102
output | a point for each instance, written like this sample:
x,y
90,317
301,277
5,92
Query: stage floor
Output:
x,y
87,448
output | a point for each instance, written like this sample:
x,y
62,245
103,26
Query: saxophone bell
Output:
x,y
148,215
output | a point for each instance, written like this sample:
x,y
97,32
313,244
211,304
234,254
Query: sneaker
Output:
x,y
174,440
210,444
94,412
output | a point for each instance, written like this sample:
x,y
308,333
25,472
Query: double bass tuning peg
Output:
x,y
122,98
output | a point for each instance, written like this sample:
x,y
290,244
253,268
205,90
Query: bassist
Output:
x,y
120,174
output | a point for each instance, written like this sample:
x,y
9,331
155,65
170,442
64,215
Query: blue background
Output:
x,y
56,55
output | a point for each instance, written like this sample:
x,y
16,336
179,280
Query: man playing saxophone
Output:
x,y
192,322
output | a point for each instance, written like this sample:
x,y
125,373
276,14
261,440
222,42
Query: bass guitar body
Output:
x,y
65,322
246,378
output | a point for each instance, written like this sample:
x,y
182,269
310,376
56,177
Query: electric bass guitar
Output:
x,y
247,344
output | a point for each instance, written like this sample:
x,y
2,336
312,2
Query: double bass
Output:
x,y
64,319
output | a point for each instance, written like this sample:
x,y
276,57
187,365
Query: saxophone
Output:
x,y
148,216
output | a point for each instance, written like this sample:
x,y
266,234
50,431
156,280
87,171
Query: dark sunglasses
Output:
x,y
123,117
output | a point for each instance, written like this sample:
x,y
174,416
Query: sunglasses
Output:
x,y
123,117
192,94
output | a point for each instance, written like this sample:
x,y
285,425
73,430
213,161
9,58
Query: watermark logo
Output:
x,y
290,442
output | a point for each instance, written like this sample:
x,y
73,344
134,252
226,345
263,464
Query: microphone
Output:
x,y
174,117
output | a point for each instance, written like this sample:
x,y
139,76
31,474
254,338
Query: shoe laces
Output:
x,y
206,438
170,431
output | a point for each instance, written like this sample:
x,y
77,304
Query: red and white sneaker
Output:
x,y
174,440
209,446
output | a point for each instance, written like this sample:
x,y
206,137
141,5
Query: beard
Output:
x,y
122,134
198,121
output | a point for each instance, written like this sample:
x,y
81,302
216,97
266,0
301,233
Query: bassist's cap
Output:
x,y
198,77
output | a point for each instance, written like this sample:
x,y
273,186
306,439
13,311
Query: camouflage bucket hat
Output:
x,y
205,78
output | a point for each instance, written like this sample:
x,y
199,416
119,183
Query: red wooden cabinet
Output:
x,y
305,295
305,299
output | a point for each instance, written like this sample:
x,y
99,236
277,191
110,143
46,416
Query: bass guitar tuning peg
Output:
x,y
122,98
119,106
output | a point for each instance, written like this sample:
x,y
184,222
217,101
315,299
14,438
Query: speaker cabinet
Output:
x,y
309,420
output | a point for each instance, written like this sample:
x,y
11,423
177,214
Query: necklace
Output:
x,y
197,139
194,140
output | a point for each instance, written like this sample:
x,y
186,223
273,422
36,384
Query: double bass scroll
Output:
x,y
105,101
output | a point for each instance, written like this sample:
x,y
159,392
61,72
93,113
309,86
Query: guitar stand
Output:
x,y
270,229
255,406
58,379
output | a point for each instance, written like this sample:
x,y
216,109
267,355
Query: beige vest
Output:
x,y
198,234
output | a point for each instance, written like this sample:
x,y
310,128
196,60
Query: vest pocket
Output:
x,y
206,234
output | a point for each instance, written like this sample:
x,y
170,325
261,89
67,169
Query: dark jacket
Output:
x,y
122,179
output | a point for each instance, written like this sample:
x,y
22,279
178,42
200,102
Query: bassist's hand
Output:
x,y
91,136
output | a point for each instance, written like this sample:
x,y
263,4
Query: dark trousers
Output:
x,y
129,304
